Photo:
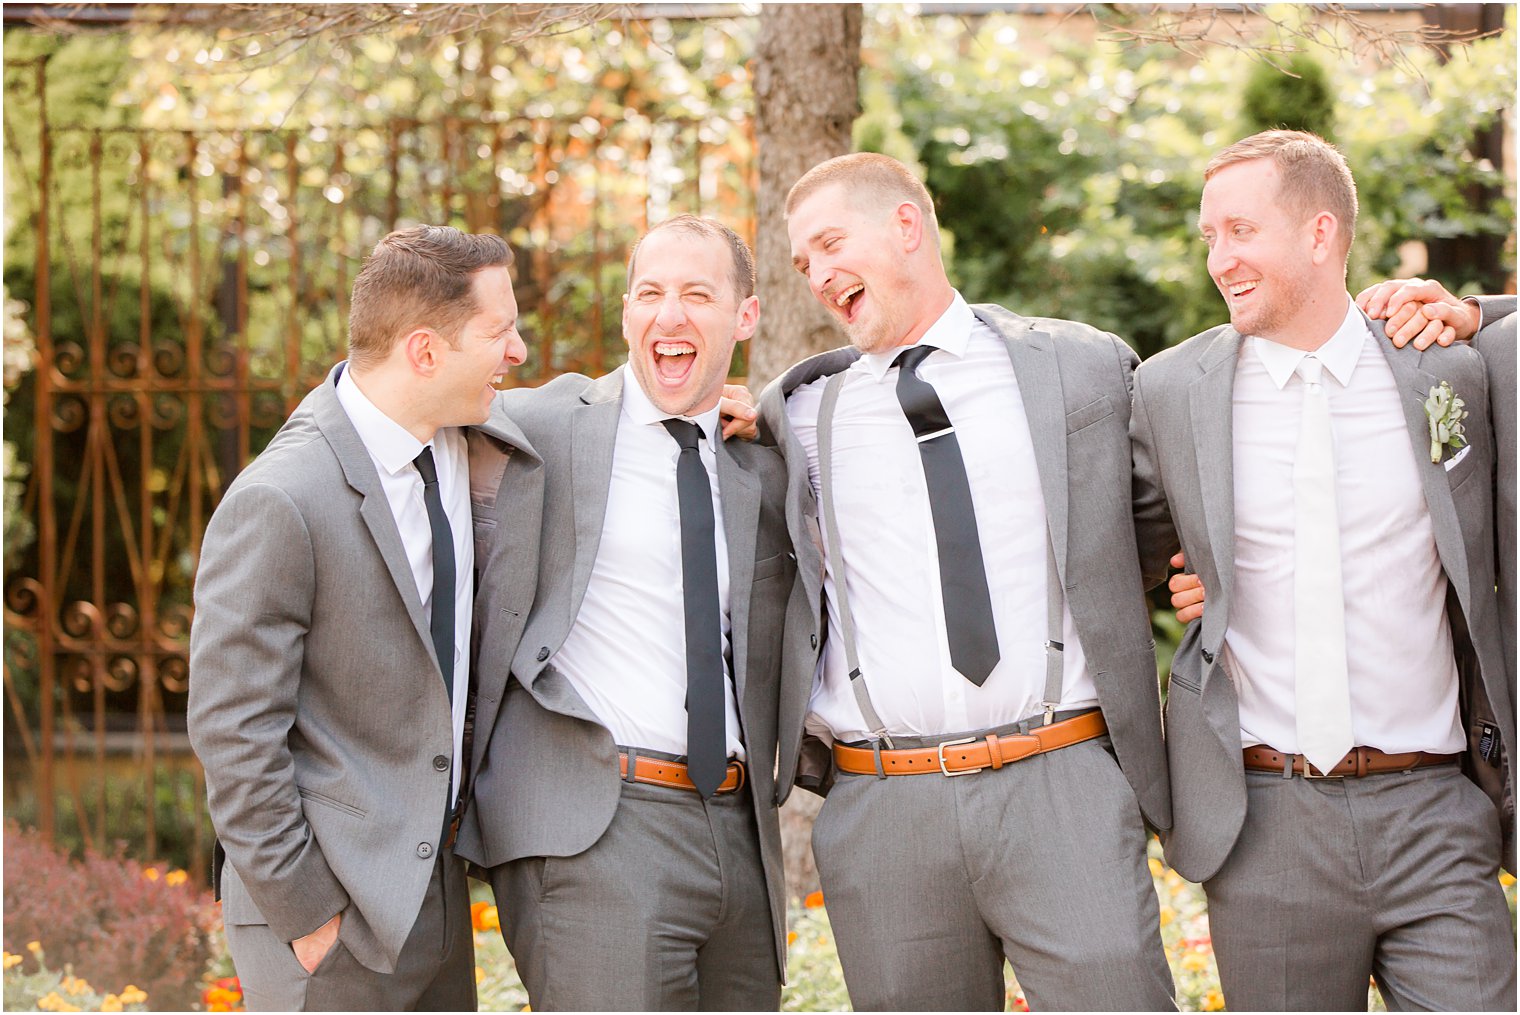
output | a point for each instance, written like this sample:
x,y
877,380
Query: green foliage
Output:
x,y
1067,171
1292,95
179,812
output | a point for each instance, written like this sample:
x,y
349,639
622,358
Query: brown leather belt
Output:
x,y
1361,761
971,754
658,772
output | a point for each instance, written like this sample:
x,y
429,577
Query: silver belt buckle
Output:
x,y
1309,774
957,743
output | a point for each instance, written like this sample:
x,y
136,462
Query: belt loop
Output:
x,y
632,754
1361,760
881,772
1288,766
994,753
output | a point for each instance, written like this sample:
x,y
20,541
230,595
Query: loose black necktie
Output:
x,y
962,576
442,622
706,756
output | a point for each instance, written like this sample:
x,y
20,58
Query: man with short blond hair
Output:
x,y
329,658
1339,725
985,719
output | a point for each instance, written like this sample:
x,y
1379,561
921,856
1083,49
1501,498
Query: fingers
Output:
x,y
1187,592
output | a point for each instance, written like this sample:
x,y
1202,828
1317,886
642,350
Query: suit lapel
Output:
x,y
1036,366
740,494
1414,384
1212,414
359,471
593,436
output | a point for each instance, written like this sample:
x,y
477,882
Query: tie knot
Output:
x,y
686,434
425,466
911,357
1310,369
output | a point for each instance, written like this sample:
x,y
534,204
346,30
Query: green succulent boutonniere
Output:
x,y
1444,411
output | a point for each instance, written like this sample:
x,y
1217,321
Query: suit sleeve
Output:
x,y
253,599
1493,308
1155,533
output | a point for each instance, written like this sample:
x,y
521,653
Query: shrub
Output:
x,y
109,918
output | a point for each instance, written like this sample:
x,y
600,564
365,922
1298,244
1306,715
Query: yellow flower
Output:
x,y
130,994
176,878
74,985
1213,1000
1168,914
12,961
1506,878
1195,962
151,873
35,947
110,1003
791,938
480,975
1156,867
52,1002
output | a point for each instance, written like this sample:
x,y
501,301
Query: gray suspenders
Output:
x,y
1053,613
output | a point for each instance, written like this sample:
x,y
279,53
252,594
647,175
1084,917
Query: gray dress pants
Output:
x,y
930,882
1391,876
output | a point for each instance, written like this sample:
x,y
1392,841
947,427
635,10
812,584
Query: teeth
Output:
x,y
1241,287
844,297
673,349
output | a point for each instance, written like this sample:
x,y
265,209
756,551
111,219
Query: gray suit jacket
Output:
x,y
547,783
316,702
1184,495
1497,344
1075,384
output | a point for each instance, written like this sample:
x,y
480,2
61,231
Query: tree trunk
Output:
x,y
807,96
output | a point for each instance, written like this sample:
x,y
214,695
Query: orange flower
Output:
x,y
791,938
151,873
813,900
484,916
174,878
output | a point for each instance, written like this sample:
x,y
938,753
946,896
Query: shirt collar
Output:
x,y
1338,355
951,333
389,443
639,408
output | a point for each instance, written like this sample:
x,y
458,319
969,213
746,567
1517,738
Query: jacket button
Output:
x,y
543,653
440,763
424,849
814,640
1208,657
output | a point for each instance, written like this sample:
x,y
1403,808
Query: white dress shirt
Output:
x,y
392,448
886,531
1400,667
626,652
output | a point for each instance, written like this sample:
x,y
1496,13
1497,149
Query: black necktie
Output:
x,y
442,622
706,757
962,577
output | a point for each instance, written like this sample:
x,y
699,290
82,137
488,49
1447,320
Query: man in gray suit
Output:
x,y
984,619
624,801
328,657
1338,723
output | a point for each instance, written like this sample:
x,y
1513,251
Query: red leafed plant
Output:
x,y
115,923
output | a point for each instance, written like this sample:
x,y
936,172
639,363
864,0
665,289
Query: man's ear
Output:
x,y
909,220
748,319
422,351
1325,236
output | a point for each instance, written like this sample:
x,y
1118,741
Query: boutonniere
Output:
x,y
1444,412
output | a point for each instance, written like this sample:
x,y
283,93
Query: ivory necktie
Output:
x,y
1322,698
441,624
706,757
962,576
